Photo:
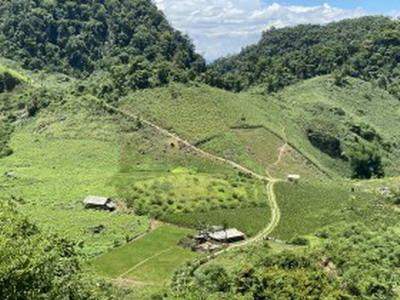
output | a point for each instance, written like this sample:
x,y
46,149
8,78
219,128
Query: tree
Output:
x,y
34,265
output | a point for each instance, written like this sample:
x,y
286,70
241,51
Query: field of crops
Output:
x,y
58,160
308,207
149,261
249,220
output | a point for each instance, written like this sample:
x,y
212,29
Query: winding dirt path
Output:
x,y
187,144
271,181
282,149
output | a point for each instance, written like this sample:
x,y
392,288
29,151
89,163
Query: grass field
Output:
x,y
308,207
58,160
149,261
184,192
240,127
249,220
251,127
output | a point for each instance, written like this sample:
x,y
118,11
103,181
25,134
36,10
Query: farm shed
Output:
x,y
97,202
227,235
293,177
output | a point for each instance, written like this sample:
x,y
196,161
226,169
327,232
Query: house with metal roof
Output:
x,y
227,235
96,202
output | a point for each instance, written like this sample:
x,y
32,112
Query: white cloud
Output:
x,y
221,27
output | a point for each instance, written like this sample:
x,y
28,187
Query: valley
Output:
x,y
293,144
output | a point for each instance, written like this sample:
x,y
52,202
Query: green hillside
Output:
x,y
364,48
105,98
130,40
325,126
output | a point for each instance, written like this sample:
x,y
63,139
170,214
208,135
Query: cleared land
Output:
x,y
150,260
58,160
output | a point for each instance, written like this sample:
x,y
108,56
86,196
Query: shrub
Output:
x,y
299,241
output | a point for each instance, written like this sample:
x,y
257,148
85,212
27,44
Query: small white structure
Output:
x,y
97,202
385,191
293,178
227,235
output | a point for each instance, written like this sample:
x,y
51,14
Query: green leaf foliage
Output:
x,y
34,265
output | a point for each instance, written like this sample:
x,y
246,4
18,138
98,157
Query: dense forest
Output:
x,y
366,48
130,39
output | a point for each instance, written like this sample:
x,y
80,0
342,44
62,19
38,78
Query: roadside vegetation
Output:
x,y
344,264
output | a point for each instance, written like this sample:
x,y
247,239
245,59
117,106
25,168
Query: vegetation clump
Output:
x,y
8,82
34,265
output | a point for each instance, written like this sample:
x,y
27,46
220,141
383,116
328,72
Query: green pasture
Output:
x,y
249,220
58,160
309,206
150,260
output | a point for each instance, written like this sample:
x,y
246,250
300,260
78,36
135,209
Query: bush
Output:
x,y
34,265
214,278
299,241
8,82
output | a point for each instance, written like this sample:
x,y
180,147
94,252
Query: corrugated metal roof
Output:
x,y
227,234
96,200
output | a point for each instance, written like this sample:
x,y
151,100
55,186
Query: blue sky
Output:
x,y
373,6
222,27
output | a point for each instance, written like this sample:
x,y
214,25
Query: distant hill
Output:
x,y
366,48
129,38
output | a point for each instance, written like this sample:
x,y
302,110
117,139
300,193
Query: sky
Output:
x,y
222,27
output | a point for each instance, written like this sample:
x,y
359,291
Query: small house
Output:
x,y
102,203
227,236
293,178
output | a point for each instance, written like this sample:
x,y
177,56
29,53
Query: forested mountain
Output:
x,y
129,38
367,48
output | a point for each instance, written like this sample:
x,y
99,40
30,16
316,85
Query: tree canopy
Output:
x,y
367,48
34,265
129,38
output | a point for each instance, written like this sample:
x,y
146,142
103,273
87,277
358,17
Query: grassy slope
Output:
x,y
361,101
249,220
58,160
150,260
218,121
307,207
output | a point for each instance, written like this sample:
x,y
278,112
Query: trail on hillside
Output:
x,y
275,211
282,149
188,144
